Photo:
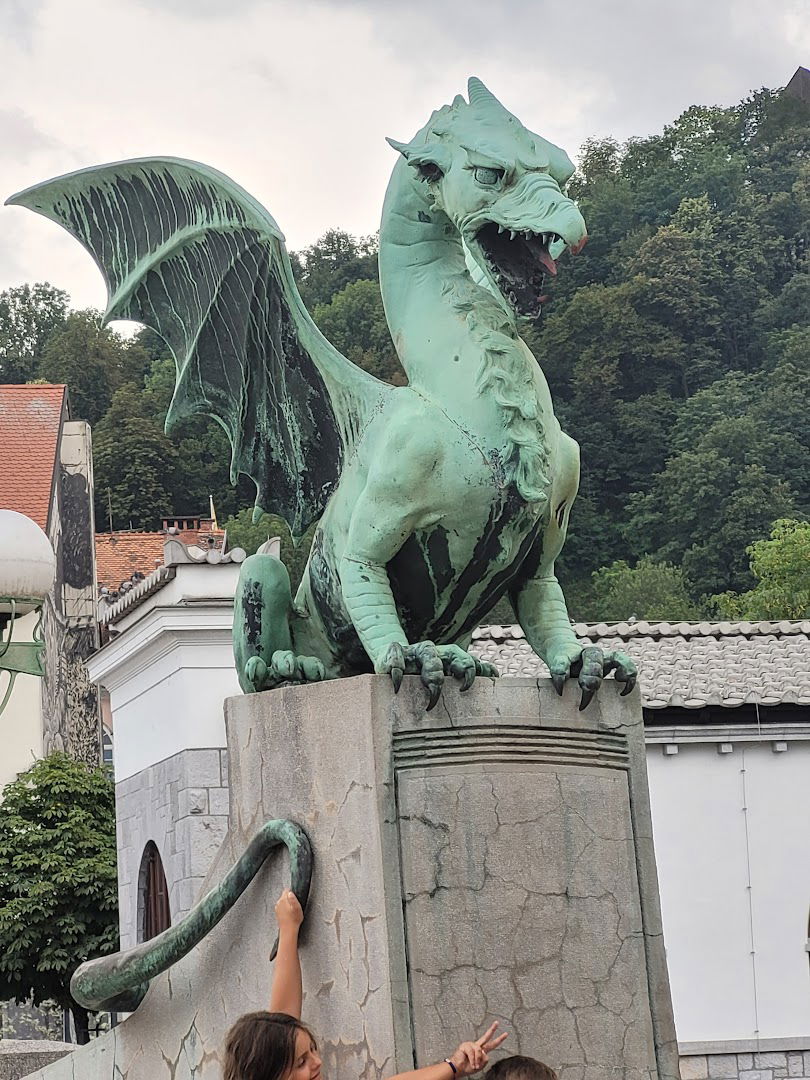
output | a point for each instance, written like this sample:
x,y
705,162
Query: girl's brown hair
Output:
x,y
261,1046
518,1067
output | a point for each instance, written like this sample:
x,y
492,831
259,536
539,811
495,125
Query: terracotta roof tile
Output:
x,y
30,428
686,665
119,555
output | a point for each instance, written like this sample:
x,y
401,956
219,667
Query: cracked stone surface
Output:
x,y
522,905
491,859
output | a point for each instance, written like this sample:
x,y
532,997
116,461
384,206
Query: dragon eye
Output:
x,y
488,177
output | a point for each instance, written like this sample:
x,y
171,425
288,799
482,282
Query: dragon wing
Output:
x,y
187,252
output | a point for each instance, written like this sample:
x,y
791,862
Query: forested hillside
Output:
x,y
676,346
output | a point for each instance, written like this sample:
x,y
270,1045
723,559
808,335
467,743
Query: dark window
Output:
x,y
107,748
154,915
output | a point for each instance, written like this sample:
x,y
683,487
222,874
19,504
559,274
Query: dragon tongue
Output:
x,y
548,262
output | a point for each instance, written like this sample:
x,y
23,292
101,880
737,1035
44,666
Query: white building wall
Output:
x,y
170,668
175,701
168,671
778,798
21,722
735,937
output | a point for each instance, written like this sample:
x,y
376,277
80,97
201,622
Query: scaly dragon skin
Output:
x,y
461,486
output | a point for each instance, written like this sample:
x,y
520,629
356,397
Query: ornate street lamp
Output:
x,y
27,570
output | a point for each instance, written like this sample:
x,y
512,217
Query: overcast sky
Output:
x,y
293,98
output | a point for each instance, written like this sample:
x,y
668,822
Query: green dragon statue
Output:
x,y
434,499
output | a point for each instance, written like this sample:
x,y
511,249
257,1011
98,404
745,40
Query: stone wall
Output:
x,y
21,1057
210,800
70,712
365,771
753,1065
181,805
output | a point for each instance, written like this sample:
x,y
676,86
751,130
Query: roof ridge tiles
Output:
x,y
642,628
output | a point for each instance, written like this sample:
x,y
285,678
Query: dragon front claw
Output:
x,y
432,663
284,667
393,664
589,666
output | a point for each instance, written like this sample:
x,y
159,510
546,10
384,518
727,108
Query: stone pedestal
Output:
x,y
20,1057
489,860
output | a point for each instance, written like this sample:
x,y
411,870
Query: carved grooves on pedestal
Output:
x,y
509,743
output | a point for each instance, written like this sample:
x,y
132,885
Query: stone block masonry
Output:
x,y
790,1063
181,805
492,859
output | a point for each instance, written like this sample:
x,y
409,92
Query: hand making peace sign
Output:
x,y
471,1057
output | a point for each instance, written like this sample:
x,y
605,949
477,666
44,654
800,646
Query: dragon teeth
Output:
x,y
512,234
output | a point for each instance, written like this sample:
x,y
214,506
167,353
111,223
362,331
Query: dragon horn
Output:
x,y
404,148
481,97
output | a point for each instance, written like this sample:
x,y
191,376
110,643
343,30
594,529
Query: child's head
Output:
x,y
270,1046
518,1067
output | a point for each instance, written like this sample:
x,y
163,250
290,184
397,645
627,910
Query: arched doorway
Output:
x,y
154,915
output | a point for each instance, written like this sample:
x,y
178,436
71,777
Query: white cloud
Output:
x,y
293,98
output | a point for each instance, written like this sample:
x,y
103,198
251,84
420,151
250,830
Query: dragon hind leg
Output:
x,y
262,638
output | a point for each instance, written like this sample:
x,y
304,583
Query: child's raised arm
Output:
x,y
286,994
470,1058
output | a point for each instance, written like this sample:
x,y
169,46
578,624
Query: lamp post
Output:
x,y
27,571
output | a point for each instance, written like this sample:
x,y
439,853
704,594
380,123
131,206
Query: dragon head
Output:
x,y
501,187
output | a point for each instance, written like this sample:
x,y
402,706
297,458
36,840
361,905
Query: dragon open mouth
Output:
x,y
518,263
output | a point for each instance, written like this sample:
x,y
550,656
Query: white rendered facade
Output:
x,y
22,718
169,667
731,820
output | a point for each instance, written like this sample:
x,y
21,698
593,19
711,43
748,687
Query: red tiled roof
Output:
x,y
30,428
119,555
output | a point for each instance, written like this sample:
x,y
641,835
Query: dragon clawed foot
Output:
x,y
589,666
284,667
432,663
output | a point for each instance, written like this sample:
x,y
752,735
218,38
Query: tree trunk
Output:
x,y
81,1021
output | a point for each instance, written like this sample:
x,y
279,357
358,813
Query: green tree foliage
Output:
x,y
143,474
203,448
93,360
29,314
244,533
58,881
740,458
339,282
336,260
676,343
137,467
649,590
354,321
781,566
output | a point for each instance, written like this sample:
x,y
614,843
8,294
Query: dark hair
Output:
x,y
261,1046
518,1067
